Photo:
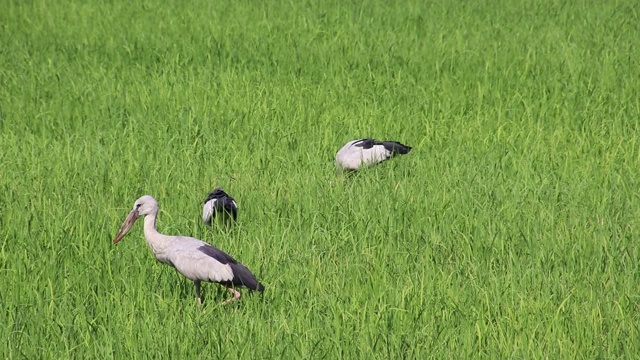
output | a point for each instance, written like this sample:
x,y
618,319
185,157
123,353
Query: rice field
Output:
x,y
510,230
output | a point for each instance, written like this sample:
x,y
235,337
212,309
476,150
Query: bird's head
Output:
x,y
145,205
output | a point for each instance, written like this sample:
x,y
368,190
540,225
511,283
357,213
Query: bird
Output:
x,y
195,259
364,152
219,204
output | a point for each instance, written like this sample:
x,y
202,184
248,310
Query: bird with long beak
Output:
x,y
191,257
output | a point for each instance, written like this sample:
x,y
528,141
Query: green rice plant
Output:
x,y
509,231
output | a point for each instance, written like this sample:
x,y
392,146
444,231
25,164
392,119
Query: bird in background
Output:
x,y
365,152
219,206
191,257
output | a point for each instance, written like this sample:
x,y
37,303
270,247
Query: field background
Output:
x,y
510,231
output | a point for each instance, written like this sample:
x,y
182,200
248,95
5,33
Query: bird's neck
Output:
x,y
156,241
150,225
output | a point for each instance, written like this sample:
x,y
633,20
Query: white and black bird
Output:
x,y
193,258
219,205
364,152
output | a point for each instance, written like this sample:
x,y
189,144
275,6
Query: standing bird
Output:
x,y
193,258
219,204
364,152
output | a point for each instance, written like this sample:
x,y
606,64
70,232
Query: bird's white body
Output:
x,y
182,253
193,258
364,152
352,157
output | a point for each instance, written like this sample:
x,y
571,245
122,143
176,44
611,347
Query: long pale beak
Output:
x,y
126,225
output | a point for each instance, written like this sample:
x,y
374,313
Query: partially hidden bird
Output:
x,y
195,259
219,206
364,152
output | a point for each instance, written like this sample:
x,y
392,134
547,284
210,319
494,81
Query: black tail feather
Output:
x,y
242,276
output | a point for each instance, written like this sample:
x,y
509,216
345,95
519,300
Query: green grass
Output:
x,y
510,231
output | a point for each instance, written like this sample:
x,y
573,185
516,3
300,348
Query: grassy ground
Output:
x,y
510,231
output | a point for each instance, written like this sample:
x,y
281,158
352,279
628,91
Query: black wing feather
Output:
x,y
241,275
395,147
220,256
365,143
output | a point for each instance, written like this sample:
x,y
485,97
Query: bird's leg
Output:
x,y
197,285
236,296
